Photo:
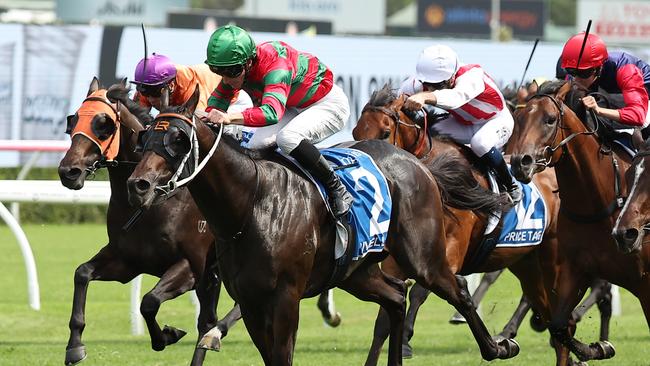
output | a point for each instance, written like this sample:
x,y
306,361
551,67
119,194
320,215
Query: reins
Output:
x,y
417,147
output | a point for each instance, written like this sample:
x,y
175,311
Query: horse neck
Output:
x,y
585,176
226,188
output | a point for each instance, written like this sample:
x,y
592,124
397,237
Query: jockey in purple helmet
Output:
x,y
160,72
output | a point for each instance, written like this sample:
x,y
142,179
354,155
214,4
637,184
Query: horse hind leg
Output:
x,y
212,339
177,280
511,328
207,291
417,297
601,296
390,293
104,266
325,304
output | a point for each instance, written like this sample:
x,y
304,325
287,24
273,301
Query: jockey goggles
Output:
x,y
154,91
437,86
582,74
231,71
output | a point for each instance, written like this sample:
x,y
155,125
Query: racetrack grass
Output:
x,y
30,337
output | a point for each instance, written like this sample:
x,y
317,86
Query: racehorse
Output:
x,y
382,118
592,188
275,238
634,219
170,240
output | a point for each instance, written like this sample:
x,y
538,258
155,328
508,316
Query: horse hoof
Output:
x,y
510,346
537,323
75,355
211,340
457,319
407,351
334,321
605,348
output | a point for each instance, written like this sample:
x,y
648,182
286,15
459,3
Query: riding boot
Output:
x,y
505,180
311,159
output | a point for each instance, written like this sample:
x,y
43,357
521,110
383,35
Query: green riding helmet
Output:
x,y
230,45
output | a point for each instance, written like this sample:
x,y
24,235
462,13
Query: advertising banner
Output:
x,y
617,22
472,18
6,88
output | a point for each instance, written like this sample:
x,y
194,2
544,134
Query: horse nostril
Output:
x,y
72,174
526,160
142,185
631,235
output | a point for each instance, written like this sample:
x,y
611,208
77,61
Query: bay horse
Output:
x,y
634,219
170,240
383,118
592,188
275,237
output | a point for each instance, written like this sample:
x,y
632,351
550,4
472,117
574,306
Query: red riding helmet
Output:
x,y
594,54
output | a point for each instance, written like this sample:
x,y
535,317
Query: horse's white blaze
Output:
x,y
638,170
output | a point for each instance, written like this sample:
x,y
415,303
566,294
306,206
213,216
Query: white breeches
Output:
x,y
480,137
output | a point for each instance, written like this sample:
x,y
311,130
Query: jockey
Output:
x,y
180,80
478,115
295,98
614,72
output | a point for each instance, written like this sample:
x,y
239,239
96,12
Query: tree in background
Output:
x,y
563,12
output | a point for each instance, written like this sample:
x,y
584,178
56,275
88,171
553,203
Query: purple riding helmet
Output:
x,y
160,69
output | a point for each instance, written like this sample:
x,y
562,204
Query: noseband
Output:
x,y
418,146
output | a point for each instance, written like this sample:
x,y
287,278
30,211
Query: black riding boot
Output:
x,y
506,181
310,158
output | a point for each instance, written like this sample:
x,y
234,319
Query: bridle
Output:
x,y
419,145
174,182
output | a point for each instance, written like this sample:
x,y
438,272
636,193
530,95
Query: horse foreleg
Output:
x,y
487,280
601,296
571,287
207,291
286,310
325,304
104,266
177,280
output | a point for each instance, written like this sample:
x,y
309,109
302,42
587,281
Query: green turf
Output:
x,y
30,337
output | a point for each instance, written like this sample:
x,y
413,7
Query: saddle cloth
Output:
x,y
370,213
524,224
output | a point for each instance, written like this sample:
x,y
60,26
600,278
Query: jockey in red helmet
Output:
x,y
615,73
478,114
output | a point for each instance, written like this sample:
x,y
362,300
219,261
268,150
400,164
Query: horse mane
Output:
x,y
383,96
119,92
460,189
551,87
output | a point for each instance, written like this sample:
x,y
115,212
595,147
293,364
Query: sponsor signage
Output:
x,y
622,22
472,18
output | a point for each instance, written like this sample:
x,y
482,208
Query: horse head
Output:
x,y
100,130
539,137
384,118
167,146
634,219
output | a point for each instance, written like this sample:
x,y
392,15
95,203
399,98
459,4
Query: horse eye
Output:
x,y
550,120
386,134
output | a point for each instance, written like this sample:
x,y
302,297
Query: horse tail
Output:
x,y
460,189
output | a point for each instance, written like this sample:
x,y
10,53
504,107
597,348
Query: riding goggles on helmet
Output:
x,y
232,71
151,90
582,74
437,86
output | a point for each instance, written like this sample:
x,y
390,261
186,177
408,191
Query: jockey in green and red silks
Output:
x,y
296,102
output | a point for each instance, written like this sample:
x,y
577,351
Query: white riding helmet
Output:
x,y
436,63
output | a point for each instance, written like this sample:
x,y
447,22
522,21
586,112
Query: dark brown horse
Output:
x,y
591,185
184,259
383,118
634,219
275,239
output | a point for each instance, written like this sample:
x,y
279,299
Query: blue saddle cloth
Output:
x,y
524,224
370,214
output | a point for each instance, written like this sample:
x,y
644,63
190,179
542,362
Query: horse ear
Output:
x,y
564,90
190,105
94,86
164,99
123,82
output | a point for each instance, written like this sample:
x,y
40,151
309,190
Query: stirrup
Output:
x,y
341,205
